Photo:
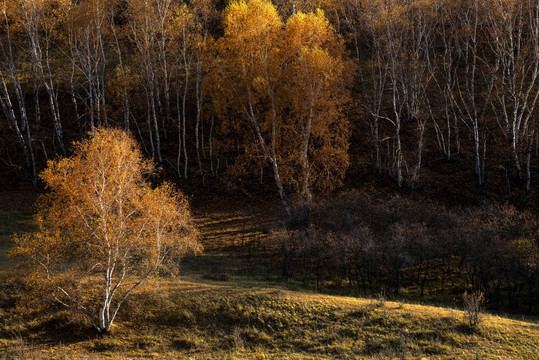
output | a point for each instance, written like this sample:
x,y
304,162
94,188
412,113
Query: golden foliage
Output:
x,y
102,218
287,81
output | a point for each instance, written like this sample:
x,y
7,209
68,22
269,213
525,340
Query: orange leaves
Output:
x,y
309,30
315,49
286,80
256,20
169,220
318,83
101,216
23,15
250,42
317,66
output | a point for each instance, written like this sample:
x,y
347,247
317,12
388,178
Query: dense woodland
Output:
x,y
300,91
303,99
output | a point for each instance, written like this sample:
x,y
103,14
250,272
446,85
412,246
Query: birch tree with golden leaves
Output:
x,y
103,230
317,90
287,82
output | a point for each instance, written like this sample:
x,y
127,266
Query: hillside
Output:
x,y
191,318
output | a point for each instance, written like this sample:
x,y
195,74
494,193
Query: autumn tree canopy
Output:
x,y
287,83
102,221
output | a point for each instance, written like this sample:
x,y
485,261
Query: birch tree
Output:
x,y
514,25
475,83
145,21
317,89
39,18
288,82
86,34
10,65
101,219
403,30
246,73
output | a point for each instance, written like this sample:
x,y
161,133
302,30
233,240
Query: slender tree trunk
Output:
x,y
476,137
179,157
514,153
91,99
154,118
149,119
36,96
125,95
9,111
306,192
199,99
210,140
8,107
184,117
270,153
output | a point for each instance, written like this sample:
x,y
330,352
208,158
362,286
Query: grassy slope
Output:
x,y
190,318
193,317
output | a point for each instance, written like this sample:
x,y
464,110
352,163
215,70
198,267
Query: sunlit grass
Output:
x,y
180,318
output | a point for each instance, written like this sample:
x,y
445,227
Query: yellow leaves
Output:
x,y
101,217
184,24
99,205
281,78
310,30
319,61
257,49
259,84
247,57
34,14
251,22
315,50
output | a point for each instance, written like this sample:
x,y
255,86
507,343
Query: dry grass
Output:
x,y
181,318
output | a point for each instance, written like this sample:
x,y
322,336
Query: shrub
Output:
x,y
474,303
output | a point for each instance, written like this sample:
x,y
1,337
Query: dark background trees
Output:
x,y
437,90
370,243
